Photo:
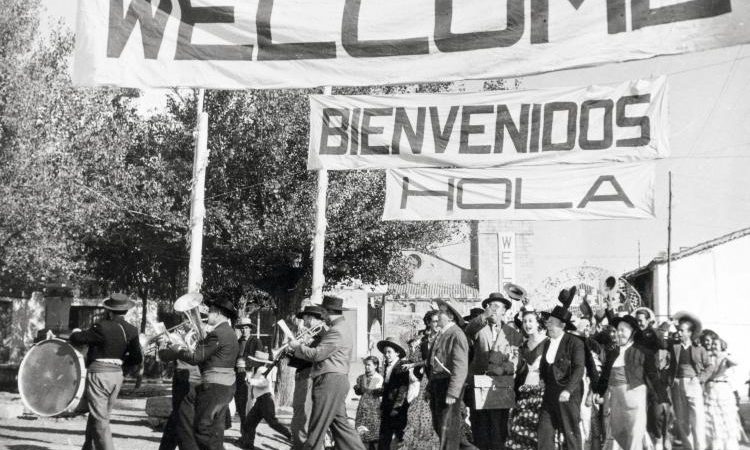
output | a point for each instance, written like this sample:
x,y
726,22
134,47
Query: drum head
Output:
x,y
50,377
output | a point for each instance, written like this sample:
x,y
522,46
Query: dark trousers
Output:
x,y
657,423
329,411
560,416
101,392
391,426
202,417
240,401
447,419
489,427
301,406
180,389
264,408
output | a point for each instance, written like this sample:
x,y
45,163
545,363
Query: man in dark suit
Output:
x,y
330,375
447,369
202,414
113,344
562,368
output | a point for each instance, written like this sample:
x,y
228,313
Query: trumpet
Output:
x,y
306,336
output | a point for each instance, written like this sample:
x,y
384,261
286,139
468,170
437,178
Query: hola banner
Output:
x,y
558,192
238,44
625,123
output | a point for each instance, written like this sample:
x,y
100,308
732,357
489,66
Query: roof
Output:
x,y
433,290
702,247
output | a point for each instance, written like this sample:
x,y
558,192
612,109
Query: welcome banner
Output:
x,y
624,123
237,44
559,192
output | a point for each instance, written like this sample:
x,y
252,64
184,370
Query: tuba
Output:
x,y
189,305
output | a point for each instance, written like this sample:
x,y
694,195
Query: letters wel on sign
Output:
x,y
283,44
485,129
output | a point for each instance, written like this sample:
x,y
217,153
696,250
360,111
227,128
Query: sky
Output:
x,y
710,141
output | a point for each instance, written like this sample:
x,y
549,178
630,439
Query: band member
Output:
x,y
690,369
203,412
562,369
312,316
629,372
248,345
330,374
113,344
260,376
495,345
394,407
447,369
185,379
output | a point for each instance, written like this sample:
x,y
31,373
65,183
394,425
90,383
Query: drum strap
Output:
x,y
124,336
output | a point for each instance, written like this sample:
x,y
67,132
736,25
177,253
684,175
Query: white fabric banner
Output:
x,y
624,123
238,44
555,192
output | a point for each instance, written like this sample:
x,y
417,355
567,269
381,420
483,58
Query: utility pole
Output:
x,y
197,207
669,251
319,241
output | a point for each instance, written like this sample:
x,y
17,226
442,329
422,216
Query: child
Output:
x,y
393,406
367,420
260,389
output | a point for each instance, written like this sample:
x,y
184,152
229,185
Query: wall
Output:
x,y
502,261
356,299
713,285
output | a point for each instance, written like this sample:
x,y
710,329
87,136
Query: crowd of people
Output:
x,y
504,377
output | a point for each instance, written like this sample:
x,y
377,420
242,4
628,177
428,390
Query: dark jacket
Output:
x,y
566,372
218,350
649,340
395,390
701,362
449,358
247,347
106,341
640,368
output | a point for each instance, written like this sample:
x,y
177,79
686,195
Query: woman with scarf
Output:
x,y
529,388
628,372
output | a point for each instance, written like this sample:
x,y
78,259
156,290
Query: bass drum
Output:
x,y
52,378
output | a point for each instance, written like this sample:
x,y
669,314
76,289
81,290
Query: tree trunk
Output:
x,y
287,307
144,309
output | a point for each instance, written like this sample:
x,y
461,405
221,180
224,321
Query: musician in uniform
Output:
x,y
113,344
313,317
202,413
248,345
330,374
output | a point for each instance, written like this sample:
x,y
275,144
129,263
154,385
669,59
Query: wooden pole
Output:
x,y
197,207
318,244
669,251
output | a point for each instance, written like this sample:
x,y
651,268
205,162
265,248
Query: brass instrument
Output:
x,y
186,334
305,336
189,304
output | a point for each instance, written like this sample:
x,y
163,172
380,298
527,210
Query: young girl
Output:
x,y
367,420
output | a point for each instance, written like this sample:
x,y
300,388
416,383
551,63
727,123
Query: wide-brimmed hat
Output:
x,y
496,297
651,315
332,303
564,316
313,310
118,302
628,319
452,309
259,357
514,291
225,305
244,322
473,312
393,343
697,324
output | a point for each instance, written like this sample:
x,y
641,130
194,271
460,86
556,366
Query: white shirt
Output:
x,y
554,344
620,361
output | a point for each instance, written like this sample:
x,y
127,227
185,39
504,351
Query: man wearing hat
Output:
x,y
562,369
248,345
690,368
312,316
201,418
447,369
494,344
330,375
260,376
394,406
113,344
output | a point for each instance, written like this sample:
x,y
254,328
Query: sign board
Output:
x,y
556,192
274,44
627,122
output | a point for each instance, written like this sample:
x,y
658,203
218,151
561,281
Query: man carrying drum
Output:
x,y
113,344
